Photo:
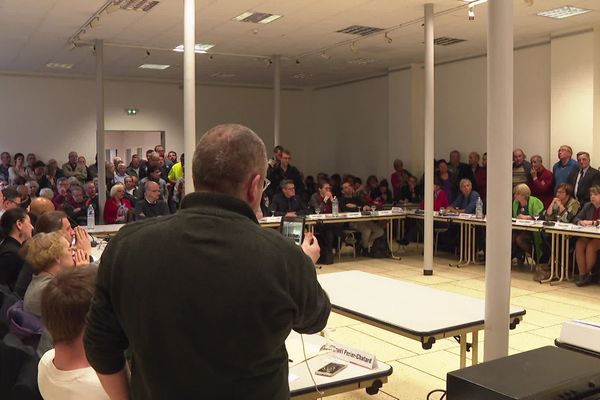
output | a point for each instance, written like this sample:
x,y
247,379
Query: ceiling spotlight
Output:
x,y
388,39
95,22
325,56
471,14
211,57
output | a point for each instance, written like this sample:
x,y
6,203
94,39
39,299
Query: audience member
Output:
x,y
64,372
399,178
584,178
565,165
33,189
369,230
120,174
16,173
73,168
228,168
151,205
47,193
93,170
53,173
31,160
321,203
15,229
586,249
287,202
176,172
154,174
542,181
479,174
130,189
446,180
11,198
286,171
75,207
117,206
135,167
564,207
5,164
521,168
25,198
459,170
62,194
40,205
48,254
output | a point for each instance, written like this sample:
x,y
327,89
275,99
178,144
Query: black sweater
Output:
x,y
10,261
205,299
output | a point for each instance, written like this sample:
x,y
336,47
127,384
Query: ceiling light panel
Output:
x,y
563,12
59,66
447,41
257,17
154,66
199,48
136,5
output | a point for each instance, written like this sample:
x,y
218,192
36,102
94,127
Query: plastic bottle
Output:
x,y
335,206
91,217
479,209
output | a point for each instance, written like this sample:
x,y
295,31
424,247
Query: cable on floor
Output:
x,y
437,391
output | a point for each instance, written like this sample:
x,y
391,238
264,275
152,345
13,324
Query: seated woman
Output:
x,y
116,207
563,207
586,249
16,229
526,206
410,193
48,254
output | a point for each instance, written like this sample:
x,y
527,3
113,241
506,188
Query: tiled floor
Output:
x,y
418,371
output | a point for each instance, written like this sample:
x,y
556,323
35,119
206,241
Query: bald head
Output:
x,y
41,205
152,191
227,158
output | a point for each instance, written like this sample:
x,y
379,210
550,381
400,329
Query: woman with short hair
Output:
x,y
526,206
48,254
116,207
564,207
586,249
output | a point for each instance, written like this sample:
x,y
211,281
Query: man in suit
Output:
x,y
583,179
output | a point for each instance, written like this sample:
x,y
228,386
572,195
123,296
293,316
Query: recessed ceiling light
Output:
x,y
154,66
198,48
63,66
257,17
361,61
563,12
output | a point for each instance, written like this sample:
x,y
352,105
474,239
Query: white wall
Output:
x,y
123,140
572,83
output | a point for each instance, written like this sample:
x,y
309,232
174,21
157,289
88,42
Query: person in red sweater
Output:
x,y
440,200
542,181
116,207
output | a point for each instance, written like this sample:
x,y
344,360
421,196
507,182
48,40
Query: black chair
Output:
x,y
18,370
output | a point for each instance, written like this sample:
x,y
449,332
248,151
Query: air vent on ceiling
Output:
x,y
257,17
136,5
446,41
360,30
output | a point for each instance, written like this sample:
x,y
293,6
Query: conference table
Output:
x,y
302,377
418,312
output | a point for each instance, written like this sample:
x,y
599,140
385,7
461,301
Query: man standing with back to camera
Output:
x,y
206,313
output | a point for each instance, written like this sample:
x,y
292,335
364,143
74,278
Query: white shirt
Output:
x,y
77,384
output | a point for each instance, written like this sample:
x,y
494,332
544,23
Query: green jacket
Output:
x,y
534,207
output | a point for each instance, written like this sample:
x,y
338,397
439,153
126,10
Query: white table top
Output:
x,y
301,381
104,229
416,309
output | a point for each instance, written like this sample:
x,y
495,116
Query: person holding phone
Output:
x,y
205,298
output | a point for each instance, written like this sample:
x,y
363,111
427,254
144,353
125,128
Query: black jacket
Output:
x,y
277,174
205,299
281,205
591,178
10,261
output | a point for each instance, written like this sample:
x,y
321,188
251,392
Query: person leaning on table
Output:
x,y
586,249
564,207
525,206
205,313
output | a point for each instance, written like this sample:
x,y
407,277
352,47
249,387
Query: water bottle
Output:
x,y
335,206
91,217
479,209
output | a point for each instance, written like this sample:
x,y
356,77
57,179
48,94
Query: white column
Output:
x,y
596,114
499,148
189,90
100,151
276,99
429,74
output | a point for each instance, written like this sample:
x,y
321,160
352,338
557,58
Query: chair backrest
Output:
x,y
26,326
18,370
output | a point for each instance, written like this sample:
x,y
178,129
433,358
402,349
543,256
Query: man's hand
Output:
x,y
310,246
81,240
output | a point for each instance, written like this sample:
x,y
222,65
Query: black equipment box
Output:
x,y
541,374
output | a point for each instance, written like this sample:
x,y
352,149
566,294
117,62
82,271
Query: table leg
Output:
x,y
390,238
462,245
475,348
463,350
553,258
566,262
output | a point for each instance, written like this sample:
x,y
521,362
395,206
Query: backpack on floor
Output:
x,y
380,248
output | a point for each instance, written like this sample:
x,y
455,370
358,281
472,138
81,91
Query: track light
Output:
x,y
94,23
471,14
388,39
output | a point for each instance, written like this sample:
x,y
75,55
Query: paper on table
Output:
x,y
292,378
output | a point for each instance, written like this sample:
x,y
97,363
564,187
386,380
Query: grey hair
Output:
x,y
47,193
